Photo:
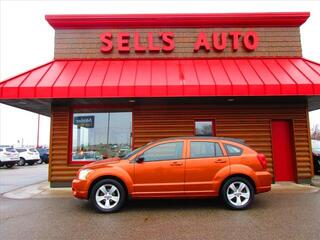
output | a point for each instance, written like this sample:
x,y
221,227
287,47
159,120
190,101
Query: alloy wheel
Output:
x,y
107,196
238,193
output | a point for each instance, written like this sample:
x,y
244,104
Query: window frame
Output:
x,y
161,143
92,109
200,140
232,155
204,120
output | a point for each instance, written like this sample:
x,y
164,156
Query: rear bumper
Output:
x,y
264,181
8,162
80,189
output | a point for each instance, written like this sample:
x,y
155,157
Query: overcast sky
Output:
x,y
27,41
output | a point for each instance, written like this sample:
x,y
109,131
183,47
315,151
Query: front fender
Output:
x,y
117,172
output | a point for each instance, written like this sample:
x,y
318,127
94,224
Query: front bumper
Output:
x,y
80,188
264,181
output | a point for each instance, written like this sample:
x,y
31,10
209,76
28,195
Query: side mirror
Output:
x,y
140,159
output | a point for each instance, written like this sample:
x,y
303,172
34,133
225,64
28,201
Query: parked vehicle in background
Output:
x,y
87,156
28,155
44,155
8,157
316,156
175,168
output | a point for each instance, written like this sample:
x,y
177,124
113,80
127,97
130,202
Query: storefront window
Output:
x,y
101,135
204,128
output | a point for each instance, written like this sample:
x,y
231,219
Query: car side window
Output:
x,y
165,151
205,149
233,150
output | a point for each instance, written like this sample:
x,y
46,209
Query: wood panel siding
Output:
x,y
85,43
59,169
249,122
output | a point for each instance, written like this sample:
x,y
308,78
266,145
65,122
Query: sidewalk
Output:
x,y
42,190
39,190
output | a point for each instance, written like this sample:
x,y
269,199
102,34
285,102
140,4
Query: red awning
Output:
x,y
166,78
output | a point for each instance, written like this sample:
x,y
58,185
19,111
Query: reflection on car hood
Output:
x,y
102,162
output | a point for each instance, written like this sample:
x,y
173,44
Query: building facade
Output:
x,y
118,82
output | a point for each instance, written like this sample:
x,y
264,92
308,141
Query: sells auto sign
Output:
x,y
217,41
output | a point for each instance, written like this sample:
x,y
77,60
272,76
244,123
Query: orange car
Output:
x,y
176,168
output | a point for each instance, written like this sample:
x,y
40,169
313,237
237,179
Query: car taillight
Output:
x,y
262,160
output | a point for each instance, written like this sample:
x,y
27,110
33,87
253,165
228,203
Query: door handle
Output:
x,y
220,160
175,164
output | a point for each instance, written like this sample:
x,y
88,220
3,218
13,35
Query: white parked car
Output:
x,y
28,155
8,157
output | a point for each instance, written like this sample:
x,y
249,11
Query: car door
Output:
x,y
205,159
161,173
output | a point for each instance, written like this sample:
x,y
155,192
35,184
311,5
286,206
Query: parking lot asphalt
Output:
x,y
273,216
21,176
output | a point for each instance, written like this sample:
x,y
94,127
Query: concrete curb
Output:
x,y
43,190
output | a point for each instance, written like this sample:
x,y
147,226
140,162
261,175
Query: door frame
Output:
x,y
291,126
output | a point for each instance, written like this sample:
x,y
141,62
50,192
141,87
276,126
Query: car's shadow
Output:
x,y
172,205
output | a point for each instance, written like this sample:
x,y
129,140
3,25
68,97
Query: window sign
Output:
x,y
84,121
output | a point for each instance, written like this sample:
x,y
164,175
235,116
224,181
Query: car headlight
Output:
x,y
84,173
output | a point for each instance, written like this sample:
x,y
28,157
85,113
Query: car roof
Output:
x,y
236,140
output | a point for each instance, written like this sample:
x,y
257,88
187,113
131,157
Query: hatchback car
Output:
x,y
8,157
28,155
176,168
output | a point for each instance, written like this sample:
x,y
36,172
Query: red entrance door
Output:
x,y
283,164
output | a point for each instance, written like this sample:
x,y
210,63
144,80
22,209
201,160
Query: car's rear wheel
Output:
x,y
237,193
9,165
21,162
108,196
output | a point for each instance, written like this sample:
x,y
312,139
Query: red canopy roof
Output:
x,y
166,78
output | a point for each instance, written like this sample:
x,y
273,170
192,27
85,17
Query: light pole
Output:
x,y
38,130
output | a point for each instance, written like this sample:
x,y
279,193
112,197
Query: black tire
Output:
x,y
21,162
40,161
121,193
9,165
30,163
240,197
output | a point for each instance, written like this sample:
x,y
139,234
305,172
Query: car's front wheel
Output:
x,y
237,193
21,162
108,196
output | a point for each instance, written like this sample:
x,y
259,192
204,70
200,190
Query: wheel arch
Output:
x,y
107,177
239,175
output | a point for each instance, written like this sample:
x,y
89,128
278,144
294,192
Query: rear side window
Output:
x,y
233,150
10,150
32,150
205,149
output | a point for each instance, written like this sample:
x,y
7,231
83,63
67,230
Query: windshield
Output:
x,y
134,152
